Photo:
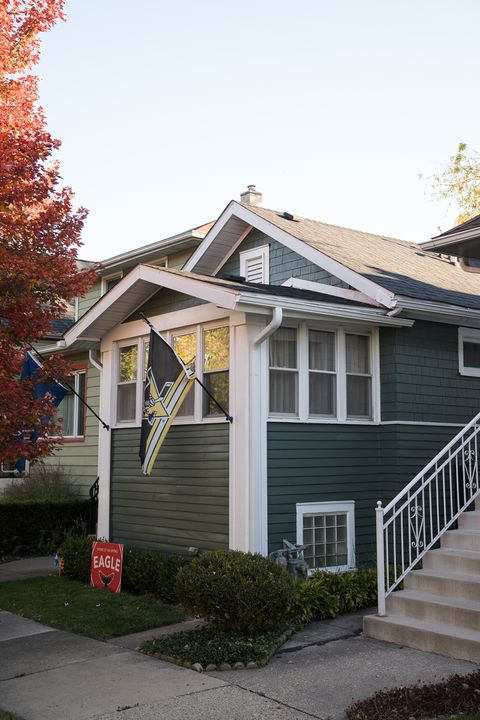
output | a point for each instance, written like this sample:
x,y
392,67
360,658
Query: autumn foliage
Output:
x,y
39,229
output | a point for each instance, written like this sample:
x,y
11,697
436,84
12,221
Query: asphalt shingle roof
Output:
x,y
399,266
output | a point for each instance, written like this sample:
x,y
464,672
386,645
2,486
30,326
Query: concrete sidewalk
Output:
x,y
26,568
47,674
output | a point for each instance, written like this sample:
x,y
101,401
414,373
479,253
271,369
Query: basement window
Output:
x,y
469,351
254,265
327,529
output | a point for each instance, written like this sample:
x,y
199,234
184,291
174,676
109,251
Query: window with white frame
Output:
x,y
204,348
323,374
254,265
109,281
71,409
469,351
328,532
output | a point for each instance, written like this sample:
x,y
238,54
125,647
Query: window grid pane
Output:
x,y
325,535
128,364
321,350
471,354
126,402
283,348
80,429
216,349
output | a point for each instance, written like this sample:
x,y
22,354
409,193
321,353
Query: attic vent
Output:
x,y
254,264
288,216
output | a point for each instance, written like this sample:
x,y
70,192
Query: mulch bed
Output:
x,y
457,694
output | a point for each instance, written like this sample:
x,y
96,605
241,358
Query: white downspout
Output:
x,y
274,324
257,493
94,362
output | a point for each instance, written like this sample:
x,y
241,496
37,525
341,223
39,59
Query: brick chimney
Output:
x,y
251,196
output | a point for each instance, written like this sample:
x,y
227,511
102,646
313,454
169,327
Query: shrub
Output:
x,y
240,593
33,526
45,482
144,571
327,594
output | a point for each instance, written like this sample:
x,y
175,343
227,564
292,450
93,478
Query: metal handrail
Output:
x,y
418,516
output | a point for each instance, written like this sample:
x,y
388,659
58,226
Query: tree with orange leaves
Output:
x,y
39,231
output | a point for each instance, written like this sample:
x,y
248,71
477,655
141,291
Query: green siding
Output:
x,y
325,463
165,301
80,458
283,262
420,377
184,502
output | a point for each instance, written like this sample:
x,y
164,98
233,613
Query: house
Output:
x,y
337,353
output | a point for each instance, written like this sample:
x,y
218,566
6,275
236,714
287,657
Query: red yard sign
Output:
x,y
106,568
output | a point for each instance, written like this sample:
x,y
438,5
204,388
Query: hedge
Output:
x,y
39,526
144,571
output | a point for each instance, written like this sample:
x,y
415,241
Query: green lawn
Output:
x,y
78,608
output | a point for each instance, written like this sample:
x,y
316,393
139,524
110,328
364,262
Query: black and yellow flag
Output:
x,y
167,383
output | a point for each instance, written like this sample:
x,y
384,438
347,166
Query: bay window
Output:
x,y
323,374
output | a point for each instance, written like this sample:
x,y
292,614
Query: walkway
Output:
x,y
48,674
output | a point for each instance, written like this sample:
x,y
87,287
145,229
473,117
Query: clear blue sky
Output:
x,y
167,110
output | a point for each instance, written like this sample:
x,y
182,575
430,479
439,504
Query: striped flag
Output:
x,y
167,383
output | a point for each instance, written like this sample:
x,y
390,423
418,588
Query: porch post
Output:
x,y
380,560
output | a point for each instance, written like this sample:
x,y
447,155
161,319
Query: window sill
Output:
x,y
183,421
319,421
470,372
70,439
339,569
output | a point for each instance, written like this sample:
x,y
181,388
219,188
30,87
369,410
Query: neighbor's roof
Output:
x,y
399,266
467,225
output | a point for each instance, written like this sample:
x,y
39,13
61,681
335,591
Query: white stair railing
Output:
x,y
417,517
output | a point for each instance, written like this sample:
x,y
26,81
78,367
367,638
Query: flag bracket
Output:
x,y
223,411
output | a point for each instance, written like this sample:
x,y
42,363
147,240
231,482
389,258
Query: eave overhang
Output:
x,y
461,244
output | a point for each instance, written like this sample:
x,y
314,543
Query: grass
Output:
x,y
78,608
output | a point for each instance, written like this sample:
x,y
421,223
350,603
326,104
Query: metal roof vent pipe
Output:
x,y
251,196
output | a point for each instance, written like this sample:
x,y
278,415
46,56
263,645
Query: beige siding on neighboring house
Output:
x,y
80,458
89,299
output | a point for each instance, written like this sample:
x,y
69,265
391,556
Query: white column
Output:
x,y
104,448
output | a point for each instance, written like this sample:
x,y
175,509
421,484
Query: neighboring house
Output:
x,y
338,357
78,452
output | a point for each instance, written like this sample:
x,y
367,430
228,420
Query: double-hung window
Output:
x,y
469,351
71,409
205,349
323,374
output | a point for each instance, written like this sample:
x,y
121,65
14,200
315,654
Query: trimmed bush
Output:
x,y
150,572
328,594
39,526
240,593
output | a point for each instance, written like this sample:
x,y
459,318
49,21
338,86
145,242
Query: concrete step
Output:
x,y
453,560
443,583
457,642
461,539
469,521
443,610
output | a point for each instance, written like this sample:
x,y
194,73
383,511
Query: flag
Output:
x,y
167,383
30,368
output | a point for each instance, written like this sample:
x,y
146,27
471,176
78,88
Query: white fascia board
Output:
x,y
248,301
441,309
330,290
210,236
221,296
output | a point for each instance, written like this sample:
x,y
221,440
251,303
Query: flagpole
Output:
x,y
71,389
227,416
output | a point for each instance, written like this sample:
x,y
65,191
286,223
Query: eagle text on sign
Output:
x,y
106,568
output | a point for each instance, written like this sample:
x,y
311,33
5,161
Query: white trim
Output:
x,y
302,370
334,290
262,253
450,239
104,448
421,422
357,281
320,508
467,335
106,278
229,254
218,295
429,307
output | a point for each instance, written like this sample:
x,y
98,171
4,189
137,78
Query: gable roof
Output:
x,y
462,240
400,268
